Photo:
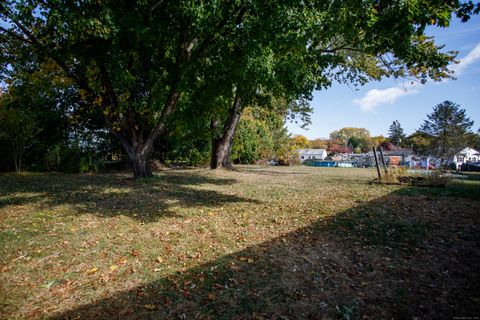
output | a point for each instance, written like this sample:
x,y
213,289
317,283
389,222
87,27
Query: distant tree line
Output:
x,y
446,131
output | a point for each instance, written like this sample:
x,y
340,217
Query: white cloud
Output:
x,y
376,97
470,58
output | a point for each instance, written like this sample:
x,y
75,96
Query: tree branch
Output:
x,y
168,109
240,13
81,82
13,34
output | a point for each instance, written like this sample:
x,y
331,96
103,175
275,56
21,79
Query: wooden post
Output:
x,y
383,161
376,163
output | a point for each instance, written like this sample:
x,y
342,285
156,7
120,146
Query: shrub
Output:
x,y
53,158
70,159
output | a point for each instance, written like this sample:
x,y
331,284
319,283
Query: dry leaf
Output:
x,y
236,268
113,267
92,271
167,302
159,259
122,260
149,306
211,296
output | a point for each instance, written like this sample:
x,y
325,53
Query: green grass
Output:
x,y
261,242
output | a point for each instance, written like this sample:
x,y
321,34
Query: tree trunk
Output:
x,y
16,164
137,147
140,157
17,159
19,162
141,166
222,146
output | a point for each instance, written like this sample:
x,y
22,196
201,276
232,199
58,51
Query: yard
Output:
x,y
258,243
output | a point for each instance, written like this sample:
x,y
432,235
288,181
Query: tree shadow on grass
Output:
x,y
468,189
113,195
395,257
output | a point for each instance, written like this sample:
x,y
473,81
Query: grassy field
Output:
x,y
258,243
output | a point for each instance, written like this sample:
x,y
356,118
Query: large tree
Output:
x,y
300,57
133,60
129,59
448,125
396,134
352,138
419,142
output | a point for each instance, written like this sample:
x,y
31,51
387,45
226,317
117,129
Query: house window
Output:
x,y
303,157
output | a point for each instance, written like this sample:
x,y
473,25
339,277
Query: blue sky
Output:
x,y
376,105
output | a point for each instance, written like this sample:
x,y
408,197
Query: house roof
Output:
x,y
311,151
401,152
469,150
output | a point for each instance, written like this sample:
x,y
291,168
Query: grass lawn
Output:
x,y
258,243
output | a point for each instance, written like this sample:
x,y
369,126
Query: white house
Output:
x,y
466,155
312,154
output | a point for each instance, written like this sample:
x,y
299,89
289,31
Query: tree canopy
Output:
x,y
352,138
135,63
396,134
448,126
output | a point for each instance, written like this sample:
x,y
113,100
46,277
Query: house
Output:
x,y
361,160
312,154
392,158
466,155
340,157
401,156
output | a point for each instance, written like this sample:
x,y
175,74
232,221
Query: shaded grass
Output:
x,y
262,242
380,227
468,188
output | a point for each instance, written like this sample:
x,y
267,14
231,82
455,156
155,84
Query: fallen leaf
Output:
x,y
92,271
211,296
135,253
236,268
149,306
167,302
122,260
113,267
159,259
